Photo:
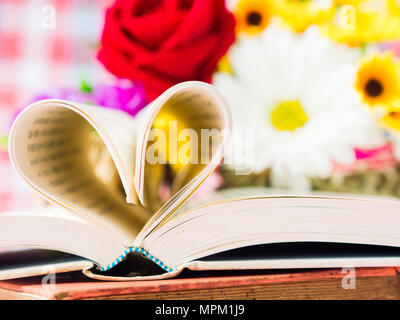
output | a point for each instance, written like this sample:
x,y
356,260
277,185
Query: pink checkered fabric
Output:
x,y
14,192
34,56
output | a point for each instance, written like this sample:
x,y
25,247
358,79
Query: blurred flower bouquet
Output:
x,y
318,81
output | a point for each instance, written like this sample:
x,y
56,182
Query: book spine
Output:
x,y
142,251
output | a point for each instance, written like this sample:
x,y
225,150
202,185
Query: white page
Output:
x,y
118,130
50,145
211,103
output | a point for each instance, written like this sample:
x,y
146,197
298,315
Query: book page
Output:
x,y
182,141
82,158
251,221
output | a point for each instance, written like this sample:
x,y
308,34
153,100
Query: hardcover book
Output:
x,y
121,189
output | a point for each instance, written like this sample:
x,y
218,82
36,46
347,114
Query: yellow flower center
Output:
x,y
288,115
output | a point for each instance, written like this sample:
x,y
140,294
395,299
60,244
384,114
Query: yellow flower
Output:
x,y
378,80
171,125
391,119
252,16
358,24
224,65
299,14
351,2
393,7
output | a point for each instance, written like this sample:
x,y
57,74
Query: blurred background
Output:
x,y
318,80
35,57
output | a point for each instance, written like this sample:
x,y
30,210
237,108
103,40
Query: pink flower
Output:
x,y
369,159
123,96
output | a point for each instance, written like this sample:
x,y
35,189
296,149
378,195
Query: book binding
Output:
x,y
142,251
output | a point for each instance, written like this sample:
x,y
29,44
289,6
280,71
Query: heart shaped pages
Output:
x,y
125,175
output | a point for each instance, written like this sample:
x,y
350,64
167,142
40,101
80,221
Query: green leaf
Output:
x,y
85,86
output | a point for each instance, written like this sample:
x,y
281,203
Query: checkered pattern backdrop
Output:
x,y
43,44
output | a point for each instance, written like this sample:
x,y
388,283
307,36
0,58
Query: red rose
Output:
x,y
163,42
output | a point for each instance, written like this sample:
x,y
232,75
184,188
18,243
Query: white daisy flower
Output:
x,y
297,93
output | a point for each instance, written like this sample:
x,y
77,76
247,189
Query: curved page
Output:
x,y
183,141
81,157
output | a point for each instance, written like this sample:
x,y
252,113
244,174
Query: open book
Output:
x,y
121,190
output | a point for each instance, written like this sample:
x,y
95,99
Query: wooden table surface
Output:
x,y
370,283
